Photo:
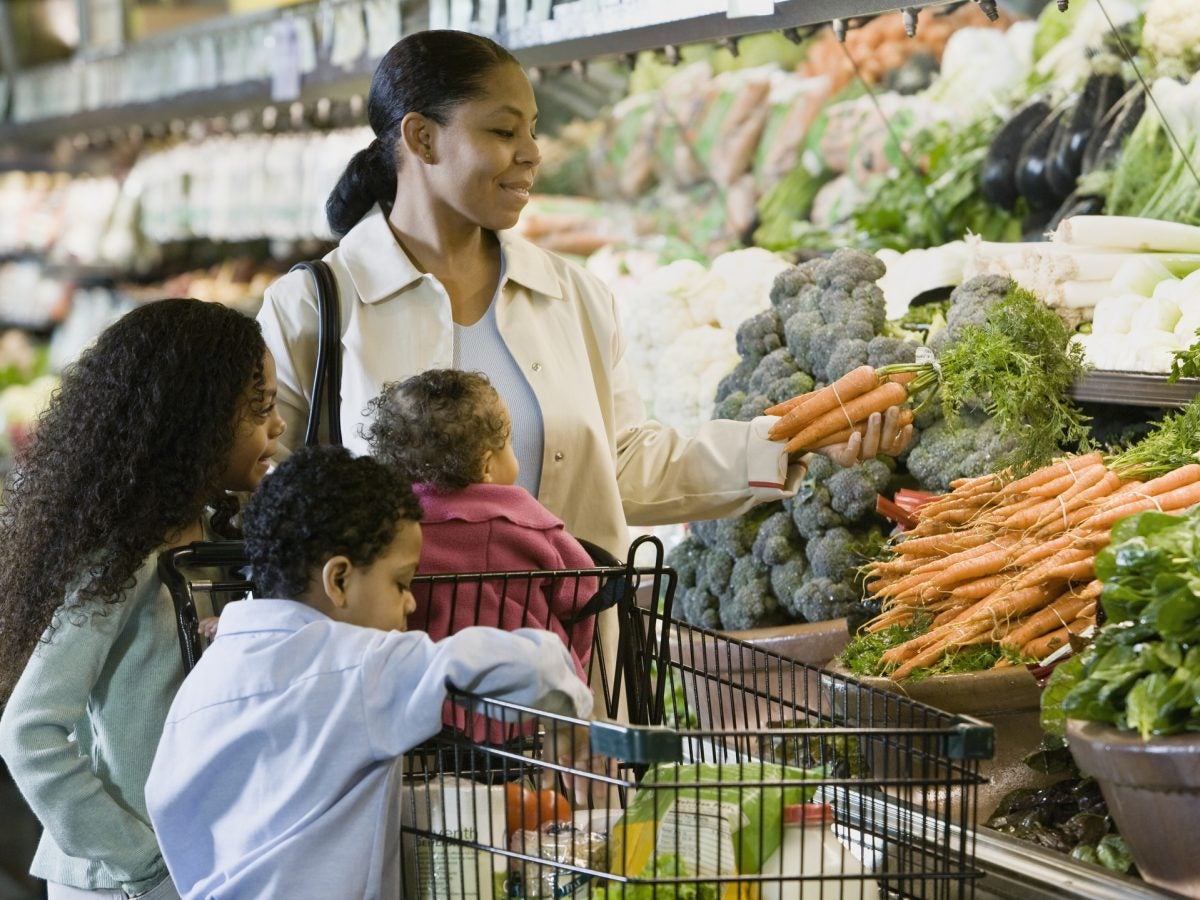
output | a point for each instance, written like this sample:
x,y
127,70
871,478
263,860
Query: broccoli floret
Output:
x,y
737,380
698,606
948,450
754,406
853,490
839,553
685,558
786,580
813,515
969,305
736,535
775,366
730,407
751,603
821,468
846,357
789,284
825,341
777,540
705,531
820,599
798,331
760,334
714,571
890,351
846,269
785,389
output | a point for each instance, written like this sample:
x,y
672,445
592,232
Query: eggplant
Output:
x,y
1100,94
1105,125
999,182
1114,139
1059,177
1032,183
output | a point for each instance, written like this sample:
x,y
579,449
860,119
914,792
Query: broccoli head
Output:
x,y
754,406
890,351
839,554
846,269
846,357
826,340
821,599
750,603
790,283
948,450
798,331
775,366
685,558
737,380
697,606
760,334
793,386
705,531
786,580
777,540
729,407
736,535
813,513
853,490
714,571
969,305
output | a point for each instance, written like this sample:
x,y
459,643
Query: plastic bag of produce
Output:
x,y
793,104
563,842
734,117
682,101
713,819
625,167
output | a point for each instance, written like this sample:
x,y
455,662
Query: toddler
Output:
x,y
277,769
450,434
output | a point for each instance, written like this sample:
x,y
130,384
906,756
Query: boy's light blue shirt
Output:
x,y
275,773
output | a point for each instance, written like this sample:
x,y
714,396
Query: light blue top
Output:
x,y
484,350
79,733
275,775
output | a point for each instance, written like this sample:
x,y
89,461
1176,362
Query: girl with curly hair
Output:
x,y
171,410
449,433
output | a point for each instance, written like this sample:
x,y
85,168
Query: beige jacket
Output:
x,y
604,464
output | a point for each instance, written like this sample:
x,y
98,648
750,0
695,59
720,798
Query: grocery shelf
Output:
x,y
1134,389
545,34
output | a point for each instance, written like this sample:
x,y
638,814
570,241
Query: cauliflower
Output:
x,y
1172,30
747,276
691,369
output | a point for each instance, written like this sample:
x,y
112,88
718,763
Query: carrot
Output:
x,y
781,409
905,418
932,654
1048,473
852,412
1043,549
980,588
1084,500
1049,618
976,565
939,544
862,380
1041,647
950,613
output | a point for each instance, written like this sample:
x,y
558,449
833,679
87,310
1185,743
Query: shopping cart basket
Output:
x,y
203,576
766,783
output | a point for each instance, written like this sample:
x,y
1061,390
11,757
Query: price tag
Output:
x,y
743,8
285,61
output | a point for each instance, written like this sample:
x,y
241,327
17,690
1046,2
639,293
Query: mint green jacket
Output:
x,y
79,735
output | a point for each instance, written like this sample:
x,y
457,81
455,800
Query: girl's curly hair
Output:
x,y
131,448
436,427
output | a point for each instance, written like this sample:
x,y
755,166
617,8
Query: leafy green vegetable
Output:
x,y
784,210
1186,363
1173,442
1142,672
661,866
939,199
862,655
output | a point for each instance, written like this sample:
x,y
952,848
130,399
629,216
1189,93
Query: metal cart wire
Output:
x,y
739,774
729,773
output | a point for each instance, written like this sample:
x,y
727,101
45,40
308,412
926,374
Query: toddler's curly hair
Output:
x,y
436,427
322,502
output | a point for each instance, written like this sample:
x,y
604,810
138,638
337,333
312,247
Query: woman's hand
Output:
x,y
883,435
208,627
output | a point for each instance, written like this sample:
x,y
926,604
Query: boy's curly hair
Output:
x,y
131,448
435,428
319,503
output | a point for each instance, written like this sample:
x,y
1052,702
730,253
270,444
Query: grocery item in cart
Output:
x,y
810,845
562,842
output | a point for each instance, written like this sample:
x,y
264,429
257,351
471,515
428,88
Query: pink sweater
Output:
x,y
500,528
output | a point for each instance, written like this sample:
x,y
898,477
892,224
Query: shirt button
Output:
x,y
558,455
537,367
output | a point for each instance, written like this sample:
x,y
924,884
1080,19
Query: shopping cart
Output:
x,y
742,774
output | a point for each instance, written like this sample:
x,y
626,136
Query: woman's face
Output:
x,y
487,155
256,438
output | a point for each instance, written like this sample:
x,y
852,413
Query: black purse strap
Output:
x,y
327,378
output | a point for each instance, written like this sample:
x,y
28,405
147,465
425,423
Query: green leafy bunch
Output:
x,y
1018,367
1172,442
1142,672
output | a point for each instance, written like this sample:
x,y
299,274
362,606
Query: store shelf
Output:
x,y
551,34
1134,389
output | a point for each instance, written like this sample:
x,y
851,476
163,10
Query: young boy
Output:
x,y
275,775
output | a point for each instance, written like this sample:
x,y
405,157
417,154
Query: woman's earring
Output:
x,y
428,156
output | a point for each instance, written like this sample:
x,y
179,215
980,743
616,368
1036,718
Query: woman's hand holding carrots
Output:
x,y
856,417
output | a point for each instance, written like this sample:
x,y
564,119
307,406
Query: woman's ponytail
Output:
x,y
369,178
429,72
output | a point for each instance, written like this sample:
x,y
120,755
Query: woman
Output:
x,y
430,277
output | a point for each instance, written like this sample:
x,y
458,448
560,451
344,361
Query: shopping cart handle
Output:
x,y
636,743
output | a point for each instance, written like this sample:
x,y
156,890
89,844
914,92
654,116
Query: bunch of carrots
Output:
x,y
830,415
1012,563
